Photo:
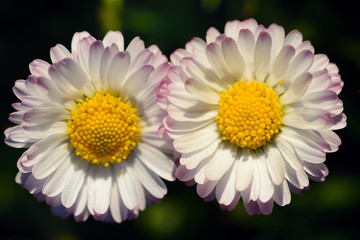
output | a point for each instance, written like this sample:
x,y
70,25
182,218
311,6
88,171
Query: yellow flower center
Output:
x,y
104,129
249,114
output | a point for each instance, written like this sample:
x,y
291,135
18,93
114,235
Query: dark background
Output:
x,y
29,28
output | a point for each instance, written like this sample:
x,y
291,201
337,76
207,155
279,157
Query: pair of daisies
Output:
x,y
246,114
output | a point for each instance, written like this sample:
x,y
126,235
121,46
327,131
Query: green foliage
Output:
x,y
110,15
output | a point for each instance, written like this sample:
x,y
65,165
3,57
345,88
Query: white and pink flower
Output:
x,y
252,114
89,120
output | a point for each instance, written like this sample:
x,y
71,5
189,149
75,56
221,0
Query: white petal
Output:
x,y
317,172
307,118
311,138
288,152
74,182
117,71
294,38
51,161
245,170
282,61
159,74
331,138
297,178
277,34
217,61
118,209
137,80
196,43
56,182
192,160
160,143
59,90
58,53
211,35
205,189
44,130
300,64
114,37
266,207
76,38
221,162
183,127
33,185
81,200
339,121
184,174
308,150
19,89
320,62
204,112
282,195
178,55
83,52
201,91
200,71
135,47
266,185
74,74
39,67
321,81
57,82
82,216
126,187
102,186
155,160
39,149
182,99
262,56
145,57
252,207
225,189
232,28
232,57
16,133
255,186
306,45
106,57
95,54
275,165
151,182
139,189
321,100
45,115
199,171
21,178
246,44
54,201
40,197
196,140
233,204
90,183
296,89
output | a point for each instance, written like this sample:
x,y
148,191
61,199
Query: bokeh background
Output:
x,y
329,210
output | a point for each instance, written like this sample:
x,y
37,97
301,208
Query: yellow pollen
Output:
x,y
104,129
249,114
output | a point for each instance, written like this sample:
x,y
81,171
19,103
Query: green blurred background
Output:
x,y
29,28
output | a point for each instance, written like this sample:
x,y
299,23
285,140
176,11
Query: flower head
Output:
x,y
89,120
252,113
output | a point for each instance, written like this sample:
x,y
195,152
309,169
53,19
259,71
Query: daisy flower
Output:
x,y
89,120
252,113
